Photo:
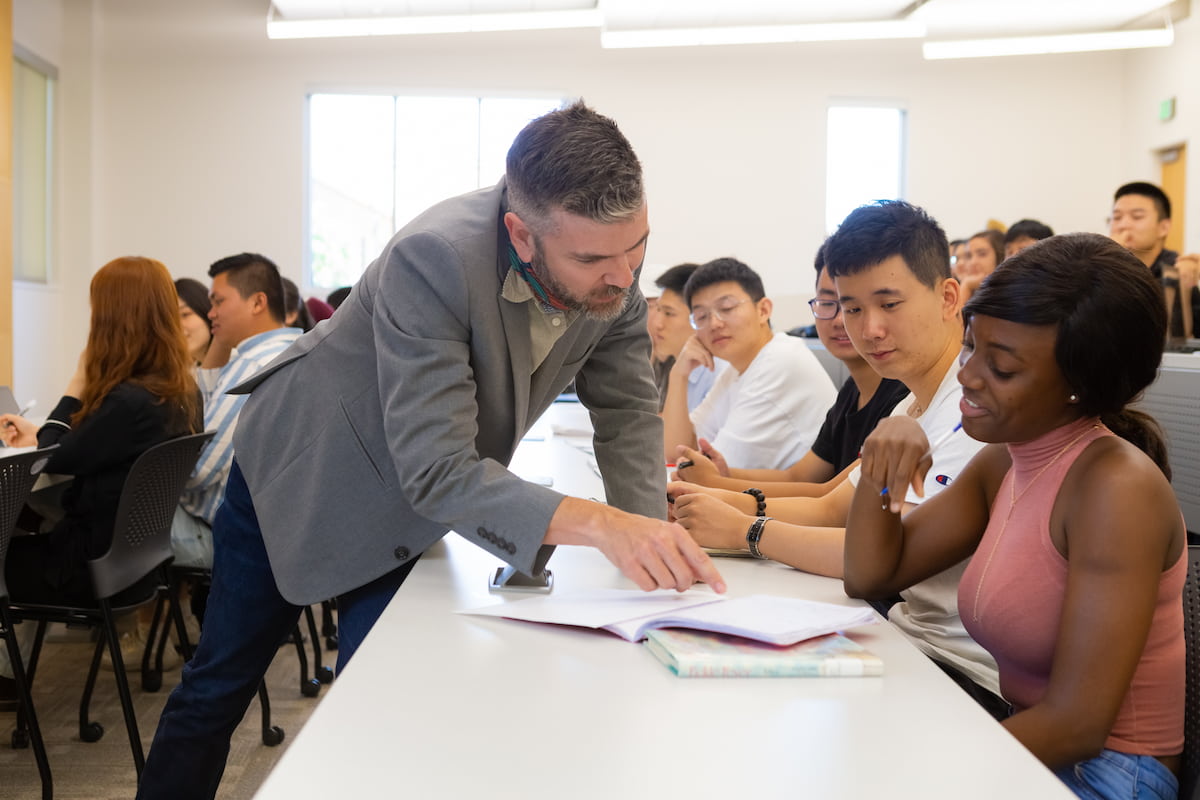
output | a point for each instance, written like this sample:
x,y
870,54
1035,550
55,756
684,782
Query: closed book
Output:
x,y
694,654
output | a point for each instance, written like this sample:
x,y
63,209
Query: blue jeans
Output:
x,y
244,623
1120,776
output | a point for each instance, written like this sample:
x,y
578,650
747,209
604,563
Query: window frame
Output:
x,y
902,148
43,274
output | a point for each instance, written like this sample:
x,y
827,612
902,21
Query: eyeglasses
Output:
x,y
702,318
824,309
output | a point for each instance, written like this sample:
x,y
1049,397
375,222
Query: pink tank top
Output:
x,y
1011,599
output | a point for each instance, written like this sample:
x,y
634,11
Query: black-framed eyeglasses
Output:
x,y
824,309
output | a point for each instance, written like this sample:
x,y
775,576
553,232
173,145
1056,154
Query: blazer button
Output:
x,y
401,553
511,548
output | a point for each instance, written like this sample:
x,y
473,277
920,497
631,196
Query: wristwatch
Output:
x,y
755,534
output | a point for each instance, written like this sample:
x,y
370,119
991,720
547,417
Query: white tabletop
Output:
x,y
442,705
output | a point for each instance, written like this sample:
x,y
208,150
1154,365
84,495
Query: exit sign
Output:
x,y
1166,109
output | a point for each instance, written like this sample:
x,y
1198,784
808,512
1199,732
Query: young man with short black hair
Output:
x,y
668,319
766,409
1141,222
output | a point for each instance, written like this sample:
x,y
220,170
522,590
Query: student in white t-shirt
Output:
x,y
765,410
891,264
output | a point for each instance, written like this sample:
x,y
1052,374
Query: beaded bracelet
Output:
x,y
754,535
760,498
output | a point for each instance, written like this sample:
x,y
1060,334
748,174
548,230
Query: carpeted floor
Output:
x,y
104,770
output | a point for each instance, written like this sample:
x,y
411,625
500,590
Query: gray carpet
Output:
x,y
104,770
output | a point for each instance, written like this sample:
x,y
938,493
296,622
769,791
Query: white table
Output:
x,y
441,705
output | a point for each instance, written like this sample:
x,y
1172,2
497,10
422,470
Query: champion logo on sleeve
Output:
x,y
944,480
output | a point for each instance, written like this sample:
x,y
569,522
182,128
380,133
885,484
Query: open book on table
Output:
x,y
631,613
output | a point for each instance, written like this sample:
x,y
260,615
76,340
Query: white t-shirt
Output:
x,y
929,613
701,381
768,416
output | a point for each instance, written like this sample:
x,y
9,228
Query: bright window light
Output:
x,y
864,158
377,161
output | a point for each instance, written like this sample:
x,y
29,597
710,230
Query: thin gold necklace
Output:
x,y
1014,498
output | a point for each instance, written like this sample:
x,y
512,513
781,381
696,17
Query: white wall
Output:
x,y
45,334
189,137
1154,76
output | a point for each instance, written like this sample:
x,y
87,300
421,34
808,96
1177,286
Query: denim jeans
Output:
x,y
1120,776
245,621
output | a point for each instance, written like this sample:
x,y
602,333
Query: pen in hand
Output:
x,y
935,446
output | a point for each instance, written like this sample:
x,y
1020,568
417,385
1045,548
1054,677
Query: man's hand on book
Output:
x,y
652,553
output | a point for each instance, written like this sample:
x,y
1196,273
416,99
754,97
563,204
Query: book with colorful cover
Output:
x,y
695,654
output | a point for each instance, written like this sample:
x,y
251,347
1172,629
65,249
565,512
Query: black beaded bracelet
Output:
x,y
754,535
760,498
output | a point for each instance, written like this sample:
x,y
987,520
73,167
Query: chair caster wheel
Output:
x,y
310,688
151,681
331,643
92,732
273,736
20,740
325,675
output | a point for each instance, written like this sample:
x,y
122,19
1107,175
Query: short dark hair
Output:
x,y
1028,229
336,297
250,273
720,270
1110,317
995,238
194,295
1161,202
819,259
674,279
877,231
576,160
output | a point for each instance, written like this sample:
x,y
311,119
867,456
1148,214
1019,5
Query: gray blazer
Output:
x,y
392,422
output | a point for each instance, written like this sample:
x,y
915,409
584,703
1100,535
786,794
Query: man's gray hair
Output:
x,y
576,160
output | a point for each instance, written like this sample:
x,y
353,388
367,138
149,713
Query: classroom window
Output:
x,y
33,134
864,158
376,161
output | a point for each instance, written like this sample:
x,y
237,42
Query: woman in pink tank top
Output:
x,y
1077,546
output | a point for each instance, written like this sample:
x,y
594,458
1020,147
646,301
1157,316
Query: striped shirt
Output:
x,y
206,488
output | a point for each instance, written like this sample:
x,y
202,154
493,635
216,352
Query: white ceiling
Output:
x,y
944,19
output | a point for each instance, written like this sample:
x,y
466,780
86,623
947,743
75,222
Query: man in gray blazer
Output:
x,y
393,422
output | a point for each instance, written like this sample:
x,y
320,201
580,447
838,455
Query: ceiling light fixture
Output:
x,y
762,34
1041,45
278,28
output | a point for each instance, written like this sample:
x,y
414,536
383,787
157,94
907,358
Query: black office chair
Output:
x,y
18,473
141,547
156,641
1189,783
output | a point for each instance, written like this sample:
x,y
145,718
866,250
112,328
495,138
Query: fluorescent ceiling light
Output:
x,y
450,23
762,34
1038,45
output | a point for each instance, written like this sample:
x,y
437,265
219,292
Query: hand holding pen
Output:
x,y
897,455
16,431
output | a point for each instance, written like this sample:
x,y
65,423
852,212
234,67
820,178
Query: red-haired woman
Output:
x,y
133,389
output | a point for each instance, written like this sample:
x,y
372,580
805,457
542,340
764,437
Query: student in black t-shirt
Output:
x,y
864,399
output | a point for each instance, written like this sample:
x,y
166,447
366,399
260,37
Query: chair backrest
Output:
x,y
142,528
18,473
1189,785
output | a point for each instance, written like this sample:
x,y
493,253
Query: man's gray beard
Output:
x,y
572,301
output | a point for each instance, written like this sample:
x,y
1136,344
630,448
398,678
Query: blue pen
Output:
x,y
940,442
